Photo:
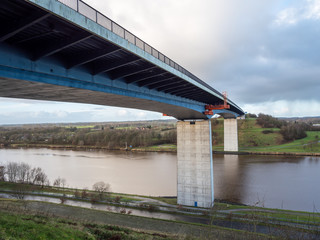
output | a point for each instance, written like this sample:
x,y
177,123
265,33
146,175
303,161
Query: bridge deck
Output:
x,y
66,38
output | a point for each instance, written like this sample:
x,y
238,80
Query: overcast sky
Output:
x,y
264,53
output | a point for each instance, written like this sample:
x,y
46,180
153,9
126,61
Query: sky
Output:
x,y
264,53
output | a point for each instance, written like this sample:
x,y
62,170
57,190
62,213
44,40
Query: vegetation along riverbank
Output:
x,y
28,219
260,134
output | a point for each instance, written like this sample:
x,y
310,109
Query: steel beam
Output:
x,y
156,82
169,86
133,73
116,65
93,56
23,24
164,85
137,80
182,89
50,50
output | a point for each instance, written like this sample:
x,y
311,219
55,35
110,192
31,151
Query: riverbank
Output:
x,y
268,153
159,148
223,221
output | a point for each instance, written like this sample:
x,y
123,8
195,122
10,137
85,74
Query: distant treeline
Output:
x,y
290,130
110,137
136,134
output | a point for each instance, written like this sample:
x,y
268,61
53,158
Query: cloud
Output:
x,y
274,62
284,108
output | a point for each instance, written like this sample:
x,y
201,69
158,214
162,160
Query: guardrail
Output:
x,y
104,21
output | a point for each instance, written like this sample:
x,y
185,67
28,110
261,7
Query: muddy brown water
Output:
x,y
287,182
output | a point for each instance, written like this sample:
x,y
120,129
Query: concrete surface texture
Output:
x,y
231,135
194,171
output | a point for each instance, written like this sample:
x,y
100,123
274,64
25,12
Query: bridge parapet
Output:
x,y
96,16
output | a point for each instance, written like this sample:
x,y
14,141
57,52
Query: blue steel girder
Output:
x,y
175,86
148,78
121,73
52,49
181,88
156,81
69,46
116,65
135,72
23,24
200,93
167,85
92,56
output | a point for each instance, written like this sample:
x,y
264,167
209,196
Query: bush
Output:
x,y
294,131
267,121
267,131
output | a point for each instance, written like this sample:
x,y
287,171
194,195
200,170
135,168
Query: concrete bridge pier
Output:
x,y
231,135
195,167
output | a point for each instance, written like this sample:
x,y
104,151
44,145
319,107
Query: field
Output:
x,y
254,138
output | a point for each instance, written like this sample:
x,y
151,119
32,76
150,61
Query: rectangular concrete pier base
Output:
x,y
231,135
195,173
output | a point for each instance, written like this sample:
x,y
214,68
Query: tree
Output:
x,y
12,171
2,170
60,182
101,188
40,178
23,173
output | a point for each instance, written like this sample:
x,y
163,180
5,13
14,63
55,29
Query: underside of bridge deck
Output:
x,y
50,33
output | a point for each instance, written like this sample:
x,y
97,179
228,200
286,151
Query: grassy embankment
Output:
x,y
254,138
279,214
24,219
40,220
28,224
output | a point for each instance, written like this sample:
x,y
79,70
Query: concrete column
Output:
x,y
195,170
231,135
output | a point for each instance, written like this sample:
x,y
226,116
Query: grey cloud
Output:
x,y
280,65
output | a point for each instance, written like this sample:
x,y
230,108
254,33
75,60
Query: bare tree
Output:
x,y
60,182
2,170
39,177
23,172
12,171
101,188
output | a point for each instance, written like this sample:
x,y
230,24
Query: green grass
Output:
x,y
158,148
33,189
26,226
172,201
293,217
250,135
306,145
80,126
16,226
81,223
252,139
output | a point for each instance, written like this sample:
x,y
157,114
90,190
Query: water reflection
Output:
x,y
127,172
287,182
226,177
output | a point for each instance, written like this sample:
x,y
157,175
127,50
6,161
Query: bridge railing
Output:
x,y
104,21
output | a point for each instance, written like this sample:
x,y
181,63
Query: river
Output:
x,y
286,182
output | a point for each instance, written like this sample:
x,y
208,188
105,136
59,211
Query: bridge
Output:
x,y
64,50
